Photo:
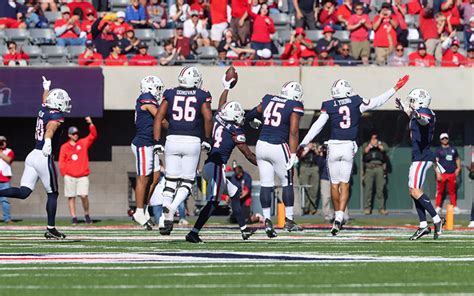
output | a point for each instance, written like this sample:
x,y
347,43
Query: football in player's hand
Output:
x,y
231,73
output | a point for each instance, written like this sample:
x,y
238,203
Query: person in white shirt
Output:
x,y
195,29
6,159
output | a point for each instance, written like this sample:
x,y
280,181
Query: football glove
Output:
x,y
300,150
401,82
158,149
227,84
255,124
46,83
206,146
293,161
47,147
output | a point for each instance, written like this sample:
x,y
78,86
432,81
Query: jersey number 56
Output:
x,y
182,108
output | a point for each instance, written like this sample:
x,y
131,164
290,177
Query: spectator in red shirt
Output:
x,y
116,58
90,57
119,27
157,16
183,44
359,25
12,15
470,55
328,16
400,10
450,9
67,29
384,23
81,8
219,20
413,7
239,22
143,58
300,48
452,57
429,32
262,28
324,59
421,58
6,158
74,166
344,12
13,57
86,25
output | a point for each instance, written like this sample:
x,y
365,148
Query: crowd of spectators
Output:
x,y
250,32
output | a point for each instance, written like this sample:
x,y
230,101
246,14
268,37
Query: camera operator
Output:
x,y
374,174
309,175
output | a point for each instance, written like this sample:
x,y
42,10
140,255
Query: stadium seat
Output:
x,y
54,54
281,20
52,16
207,54
17,35
3,50
343,36
284,36
74,52
42,36
145,35
409,50
156,51
460,36
34,52
164,34
410,20
414,36
117,5
314,35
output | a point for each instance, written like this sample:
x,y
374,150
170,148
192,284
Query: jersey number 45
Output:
x,y
272,115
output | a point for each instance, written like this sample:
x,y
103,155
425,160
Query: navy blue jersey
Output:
x,y
447,158
344,115
224,138
45,115
276,118
421,136
144,121
184,110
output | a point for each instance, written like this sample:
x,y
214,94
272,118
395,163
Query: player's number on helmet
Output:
x,y
272,115
182,108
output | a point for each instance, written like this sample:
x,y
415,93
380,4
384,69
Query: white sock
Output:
x,y
195,230
243,227
339,216
423,224
289,212
181,194
266,213
436,219
139,210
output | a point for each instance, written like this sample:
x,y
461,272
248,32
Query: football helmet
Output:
x,y
233,112
292,91
190,77
153,85
341,89
419,98
59,99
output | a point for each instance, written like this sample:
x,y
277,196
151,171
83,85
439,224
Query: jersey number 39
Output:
x,y
182,108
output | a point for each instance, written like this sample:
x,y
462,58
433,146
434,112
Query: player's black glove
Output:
x,y
206,145
158,149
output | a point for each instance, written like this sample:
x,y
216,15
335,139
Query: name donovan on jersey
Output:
x,y
190,92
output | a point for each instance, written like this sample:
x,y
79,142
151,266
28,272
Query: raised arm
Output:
x,y
383,98
315,128
244,148
46,86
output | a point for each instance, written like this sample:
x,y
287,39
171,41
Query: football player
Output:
x,y
187,108
422,125
151,90
40,162
276,148
344,111
226,134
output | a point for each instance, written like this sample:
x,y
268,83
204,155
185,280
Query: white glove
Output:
x,y
205,146
158,149
226,84
255,124
46,83
293,161
47,147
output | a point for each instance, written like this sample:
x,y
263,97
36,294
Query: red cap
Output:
x,y
328,29
89,11
299,30
455,42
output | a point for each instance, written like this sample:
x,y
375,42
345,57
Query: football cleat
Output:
x,y
336,227
193,237
88,219
438,228
421,231
247,232
291,225
53,233
269,230
167,228
74,221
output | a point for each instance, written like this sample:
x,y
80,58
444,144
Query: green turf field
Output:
x,y
111,258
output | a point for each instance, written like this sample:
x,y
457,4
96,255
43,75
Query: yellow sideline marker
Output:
x,y
281,214
449,217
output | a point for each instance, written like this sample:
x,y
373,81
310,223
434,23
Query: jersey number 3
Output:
x,y
346,117
187,111
272,114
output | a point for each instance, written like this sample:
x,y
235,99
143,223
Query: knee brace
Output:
x,y
170,187
187,185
